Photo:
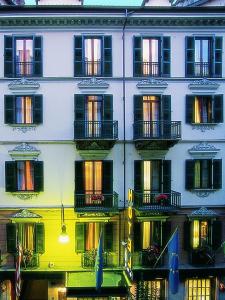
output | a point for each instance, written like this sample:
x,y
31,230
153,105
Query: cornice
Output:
x,y
173,21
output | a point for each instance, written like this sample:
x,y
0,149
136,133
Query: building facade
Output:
x,y
97,102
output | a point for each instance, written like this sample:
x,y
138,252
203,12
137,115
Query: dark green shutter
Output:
x,y
10,176
107,177
9,109
217,173
38,66
156,238
218,49
218,109
138,116
8,56
190,174
137,56
79,177
107,56
79,113
37,109
190,108
11,235
166,56
38,176
108,236
78,58
138,187
80,237
137,237
107,127
39,238
190,56
166,232
166,176
216,234
187,236
166,107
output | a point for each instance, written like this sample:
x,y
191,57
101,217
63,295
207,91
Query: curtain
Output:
x,y
195,234
24,110
93,179
204,233
94,115
26,235
197,175
92,235
197,110
24,56
92,56
151,115
147,232
150,56
25,176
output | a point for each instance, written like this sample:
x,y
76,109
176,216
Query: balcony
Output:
x,y
96,202
202,69
151,201
156,134
102,133
24,69
88,259
30,260
147,258
202,256
150,69
93,67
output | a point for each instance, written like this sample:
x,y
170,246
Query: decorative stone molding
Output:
x,y
152,154
25,195
152,85
203,212
202,193
24,85
203,150
24,214
93,154
93,84
203,86
24,151
203,127
23,128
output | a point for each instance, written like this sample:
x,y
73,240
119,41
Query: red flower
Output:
x,y
161,197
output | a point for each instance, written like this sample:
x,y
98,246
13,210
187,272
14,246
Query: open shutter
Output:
x,y
8,56
137,56
137,236
79,113
138,116
190,108
108,237
11,235
79,177
166,176
138,187
107,127
10,176
156,238
166,56
37,109
79,237
78,59
166,110
190,174
218,49
9,109
218,108
190,56
107,55
166,232
39,238
187,235
107,177
38,68
38,176
217,173
216,234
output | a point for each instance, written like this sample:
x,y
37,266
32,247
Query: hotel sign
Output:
x,y
129,247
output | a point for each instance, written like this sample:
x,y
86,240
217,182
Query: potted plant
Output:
x,y
161,199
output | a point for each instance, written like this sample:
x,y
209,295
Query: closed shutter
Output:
x,y
218,109
137,59
107,177
137,236
218,50
166,105
39,238
138,186
166,56
166,176
8,57
37,109
157,239
79,237
166,232
9,109
190,109
108,237
217,173
190,56
187,237
79,113
79,177
138,116
10,176
107,128
11,235
78,56
190,174
107,56
38,68
38,176
216,234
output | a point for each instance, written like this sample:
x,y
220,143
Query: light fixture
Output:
x,y
63,237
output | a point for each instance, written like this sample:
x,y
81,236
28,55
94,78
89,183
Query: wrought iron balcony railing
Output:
x,y
98,130
93,67
150,69
88,259
96,202
157,130
157,201
29,260
202,69
202,256
24,69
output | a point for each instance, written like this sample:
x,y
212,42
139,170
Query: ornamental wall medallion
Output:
x,y
25,195
24,151
203,150
24,85
203,127
24,129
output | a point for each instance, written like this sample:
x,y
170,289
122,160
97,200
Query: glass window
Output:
x,y
198,289
24,56
152,171
24,110
200,233
151,116
202,174
150,56
202,57
203,112
152,290
93,116
92,56
93,181
26,235
151,234
25,176
93,231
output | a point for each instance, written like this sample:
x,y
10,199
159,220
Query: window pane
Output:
x,y
201,290
150,56
92,56
92,235
24,56
151,116
26,235
24,110
195,235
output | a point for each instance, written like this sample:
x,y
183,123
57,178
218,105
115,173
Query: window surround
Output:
x,y
203,151
24,86
24,151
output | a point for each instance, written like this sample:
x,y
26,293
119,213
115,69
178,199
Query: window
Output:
x,y
92,178
93,56
204,109
197,289
23,110
23,56
152,290
200,233
149,235
24,176
204,56
203,174
151,56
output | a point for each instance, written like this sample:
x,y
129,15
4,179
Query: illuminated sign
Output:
x,y
129,247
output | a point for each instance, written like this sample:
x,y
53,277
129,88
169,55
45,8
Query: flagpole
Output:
x,y
165,248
